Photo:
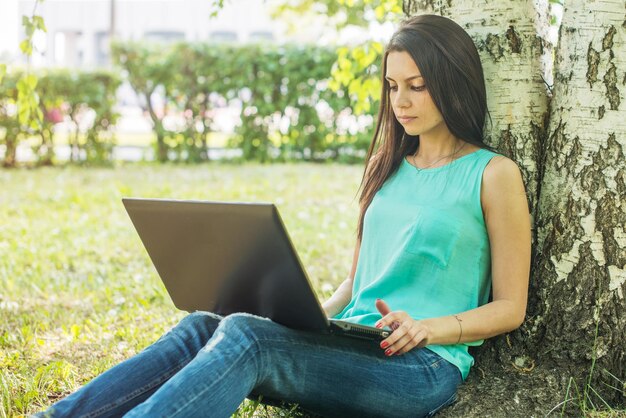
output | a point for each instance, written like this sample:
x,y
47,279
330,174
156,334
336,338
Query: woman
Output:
x,y
443,220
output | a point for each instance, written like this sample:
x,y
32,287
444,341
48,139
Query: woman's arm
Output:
x,y
508,224
343,294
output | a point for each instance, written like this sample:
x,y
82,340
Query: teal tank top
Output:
x,y
425,248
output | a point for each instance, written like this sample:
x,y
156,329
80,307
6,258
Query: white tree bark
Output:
x,y
589,116
582,207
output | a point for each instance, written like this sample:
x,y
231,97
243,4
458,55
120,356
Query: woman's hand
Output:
x,y
407,332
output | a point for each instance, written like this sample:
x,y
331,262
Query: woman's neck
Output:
x,y
433,146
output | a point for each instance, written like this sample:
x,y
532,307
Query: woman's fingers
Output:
x,y
408,335
409,341
385,310
393,317
402,338
382,307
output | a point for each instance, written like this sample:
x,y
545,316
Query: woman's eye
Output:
x,y
414,88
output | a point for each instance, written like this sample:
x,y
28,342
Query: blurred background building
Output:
x,y
79,30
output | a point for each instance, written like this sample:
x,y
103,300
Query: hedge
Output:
x,y
63,95
287,109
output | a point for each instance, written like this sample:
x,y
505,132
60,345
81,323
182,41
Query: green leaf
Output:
x,y
344,63
29,28
39,23
358,53
31,80
28,101
215,7
3,71
380,12
36,121
27,47
23,114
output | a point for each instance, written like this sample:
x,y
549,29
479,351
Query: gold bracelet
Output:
x,y
460,328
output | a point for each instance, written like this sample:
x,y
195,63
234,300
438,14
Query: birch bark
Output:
x,y
580,277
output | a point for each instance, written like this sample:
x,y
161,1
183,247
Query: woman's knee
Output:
x,y
248,325
200,318
198,324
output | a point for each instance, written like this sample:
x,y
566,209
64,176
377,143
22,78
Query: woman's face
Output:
x,y
410,100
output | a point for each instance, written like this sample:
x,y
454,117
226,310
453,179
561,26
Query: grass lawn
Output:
x,y
215,139
78,293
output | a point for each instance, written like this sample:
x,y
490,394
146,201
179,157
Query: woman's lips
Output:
x,y
405,119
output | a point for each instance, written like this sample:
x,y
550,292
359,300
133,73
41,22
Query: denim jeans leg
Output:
x,y
131,382
215,382
341,377
329,375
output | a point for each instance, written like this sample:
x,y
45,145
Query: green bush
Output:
x,y
147,68
62,94
11,132
96,92
288,110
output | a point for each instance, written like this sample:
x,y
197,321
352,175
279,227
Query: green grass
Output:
x,y
78,293
215,139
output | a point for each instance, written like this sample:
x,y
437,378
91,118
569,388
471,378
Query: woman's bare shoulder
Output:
x,y
501,169
502,177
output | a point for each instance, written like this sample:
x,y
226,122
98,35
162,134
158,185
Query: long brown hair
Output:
x,y
450,66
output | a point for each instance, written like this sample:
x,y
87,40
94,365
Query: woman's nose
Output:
x,y
401,100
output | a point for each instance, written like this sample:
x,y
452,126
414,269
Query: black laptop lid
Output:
x,y
226,258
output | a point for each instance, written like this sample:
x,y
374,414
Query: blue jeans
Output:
x,y
207,365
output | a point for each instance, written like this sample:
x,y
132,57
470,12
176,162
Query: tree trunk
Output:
x,y
578,305
73,140
206,131
45,150
10,153
575,178
158,129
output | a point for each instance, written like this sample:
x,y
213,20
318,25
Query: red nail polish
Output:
x,y
384,344
388,352
379,325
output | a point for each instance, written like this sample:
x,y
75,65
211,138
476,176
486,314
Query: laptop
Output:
x,y
227,257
